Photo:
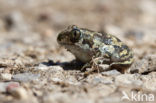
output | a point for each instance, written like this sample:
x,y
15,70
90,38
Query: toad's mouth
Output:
x,y
66,44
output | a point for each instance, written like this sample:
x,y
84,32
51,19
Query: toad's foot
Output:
x,y
97,66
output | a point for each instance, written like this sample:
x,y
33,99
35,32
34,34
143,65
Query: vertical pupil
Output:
x,y
75,33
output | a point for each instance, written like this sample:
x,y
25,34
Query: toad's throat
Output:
x,y
84,55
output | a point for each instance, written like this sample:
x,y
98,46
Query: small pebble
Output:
x,y
25,77
12,86
128,79
19,93
102,80
42,67
5,86
5,76
56,80
111,73
57,68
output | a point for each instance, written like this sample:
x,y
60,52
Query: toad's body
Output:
x,y
88,46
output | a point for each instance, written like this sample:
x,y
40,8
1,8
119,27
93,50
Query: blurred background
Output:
x,y
36,23
29,28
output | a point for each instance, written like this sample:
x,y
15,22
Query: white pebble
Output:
x,y
5,76
19,93
42,67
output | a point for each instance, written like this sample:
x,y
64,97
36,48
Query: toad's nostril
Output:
x,y
59,38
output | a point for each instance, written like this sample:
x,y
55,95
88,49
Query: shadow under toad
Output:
x,y
72,65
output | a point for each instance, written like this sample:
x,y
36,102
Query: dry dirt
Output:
x,y
35,69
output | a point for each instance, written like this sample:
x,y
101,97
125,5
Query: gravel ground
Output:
x,y
35,69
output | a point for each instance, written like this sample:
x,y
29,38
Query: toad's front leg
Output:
x,y
98,64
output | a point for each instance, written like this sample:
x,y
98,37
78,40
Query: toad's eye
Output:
x,y
76,34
